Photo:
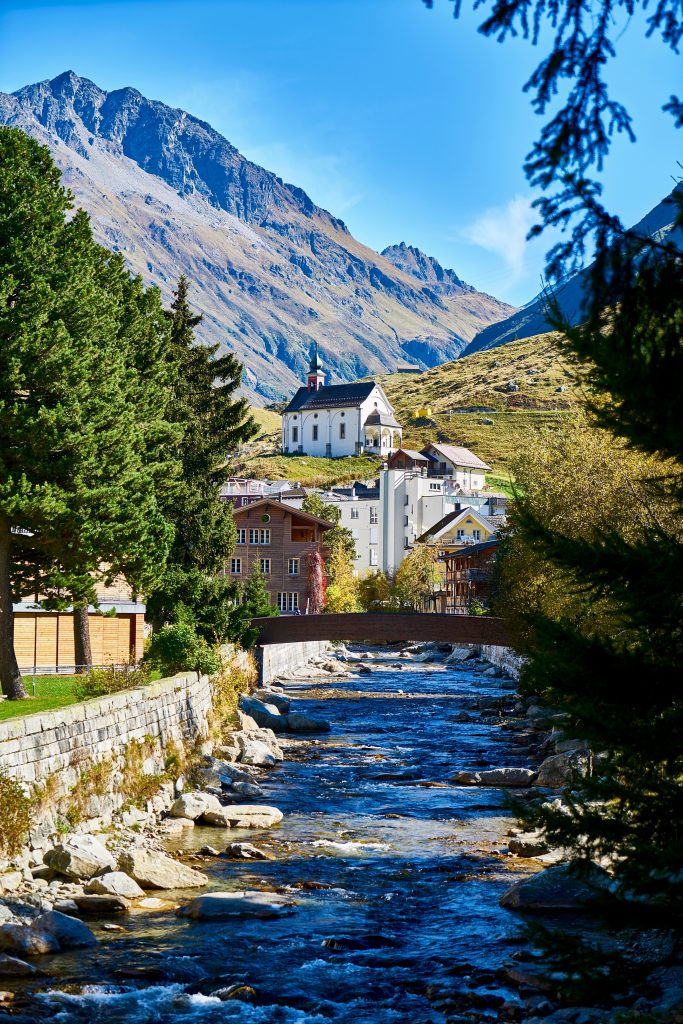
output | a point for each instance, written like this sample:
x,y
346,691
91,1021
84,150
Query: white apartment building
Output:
x,y
360,513
410,503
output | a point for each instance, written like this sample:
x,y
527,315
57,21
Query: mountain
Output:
x,y
270,270
531,319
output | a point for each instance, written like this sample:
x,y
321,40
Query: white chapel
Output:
x,y
339,419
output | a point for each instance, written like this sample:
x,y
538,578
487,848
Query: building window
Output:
x,y
264,536
265,566
241,536
435,487
406,500
354,513
373,515
373,535
295,435
342,431
406,542
476,534
460,535
373,556
235,566
288,601
293,566
315,432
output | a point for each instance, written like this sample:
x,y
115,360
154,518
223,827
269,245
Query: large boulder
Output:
x,y
557,888
153,870
100,904
79,857
247,790
245,816
218,906
115,883
266,716
271,697
297,722
562,769
460,654
253,750
528,844
496,777
194,805
26,940
69,932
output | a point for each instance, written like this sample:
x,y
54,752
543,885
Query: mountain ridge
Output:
x,y
271,271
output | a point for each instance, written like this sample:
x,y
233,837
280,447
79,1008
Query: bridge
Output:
x,y
392,627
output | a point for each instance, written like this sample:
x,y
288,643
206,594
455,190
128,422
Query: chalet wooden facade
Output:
x,y
468,577
280,538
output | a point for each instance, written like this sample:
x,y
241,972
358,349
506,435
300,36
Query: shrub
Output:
x,y
14,815
101,682
178,648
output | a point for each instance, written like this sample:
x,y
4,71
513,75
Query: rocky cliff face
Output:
x,y
271,271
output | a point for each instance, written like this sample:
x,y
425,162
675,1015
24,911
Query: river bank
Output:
x,y
362,879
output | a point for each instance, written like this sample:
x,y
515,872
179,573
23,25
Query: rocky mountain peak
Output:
x,y
413,261
271,271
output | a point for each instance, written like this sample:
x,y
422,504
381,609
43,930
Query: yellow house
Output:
x,y
458,530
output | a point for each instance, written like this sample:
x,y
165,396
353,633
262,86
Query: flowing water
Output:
x,y
395,875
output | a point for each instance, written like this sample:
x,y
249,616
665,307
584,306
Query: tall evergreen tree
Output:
x,y
214,422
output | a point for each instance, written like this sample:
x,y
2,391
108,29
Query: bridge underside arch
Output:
x,y
388,627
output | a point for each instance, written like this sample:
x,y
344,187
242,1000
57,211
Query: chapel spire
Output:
x,y
316,374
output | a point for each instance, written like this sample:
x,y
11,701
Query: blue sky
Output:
x,y
407,124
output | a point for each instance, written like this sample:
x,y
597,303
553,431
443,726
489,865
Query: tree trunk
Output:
x,y
82,651
10,677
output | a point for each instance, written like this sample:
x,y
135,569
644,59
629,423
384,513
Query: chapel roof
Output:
x,y
334,396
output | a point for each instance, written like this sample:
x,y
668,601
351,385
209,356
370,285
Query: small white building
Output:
x,y
465,468
331,421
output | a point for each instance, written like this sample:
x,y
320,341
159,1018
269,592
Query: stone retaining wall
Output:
x,y
274,659
52,752
503,657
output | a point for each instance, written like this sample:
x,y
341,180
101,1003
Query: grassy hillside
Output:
x,y
546,386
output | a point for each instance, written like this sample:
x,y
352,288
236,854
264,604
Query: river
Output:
x,y
395,874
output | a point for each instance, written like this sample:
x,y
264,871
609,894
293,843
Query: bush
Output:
x,y
179,649
101,682
14,815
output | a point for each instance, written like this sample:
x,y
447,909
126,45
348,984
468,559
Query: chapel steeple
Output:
x,y
316,374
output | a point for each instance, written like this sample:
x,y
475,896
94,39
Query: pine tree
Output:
x,y
214,422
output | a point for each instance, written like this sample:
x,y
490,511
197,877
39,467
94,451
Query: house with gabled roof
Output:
x,y
460,529
333,420
463,466
280,538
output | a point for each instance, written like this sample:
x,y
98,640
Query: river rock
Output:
x,y
115,883
247,723
496,777
304,723
281,702
154,870
245,816
248,790
528,844
13,967
194,805
79,857
27,940
556,888
229,750
69,932
266,716
218,906
253,750
245,851
460,654
560,769
101,904
231,773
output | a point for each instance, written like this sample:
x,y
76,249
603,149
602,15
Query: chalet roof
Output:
x,y
472,549
274,503
415,456
458,456
334,396
449,520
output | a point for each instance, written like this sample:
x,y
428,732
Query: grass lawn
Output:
x,y
311,471
51,692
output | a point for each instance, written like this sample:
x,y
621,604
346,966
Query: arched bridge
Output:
x,y
394,627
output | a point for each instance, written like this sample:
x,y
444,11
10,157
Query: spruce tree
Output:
x,y
213,422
